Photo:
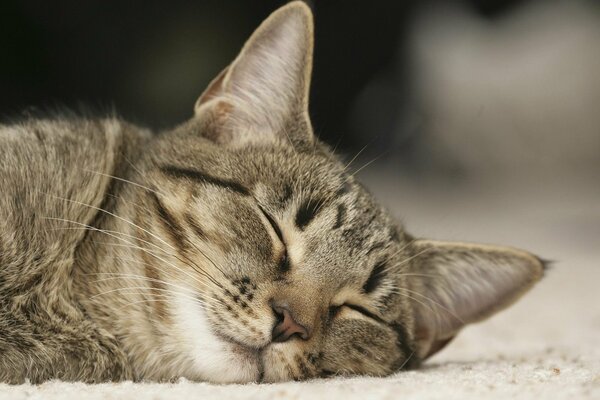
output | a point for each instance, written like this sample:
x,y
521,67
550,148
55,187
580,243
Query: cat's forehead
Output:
x,y
308,191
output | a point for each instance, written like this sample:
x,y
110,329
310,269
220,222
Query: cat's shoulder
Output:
x,y
66,125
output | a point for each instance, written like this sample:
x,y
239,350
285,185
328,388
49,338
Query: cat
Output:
x,y
235,247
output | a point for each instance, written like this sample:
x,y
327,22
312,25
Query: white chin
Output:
x,y
212,358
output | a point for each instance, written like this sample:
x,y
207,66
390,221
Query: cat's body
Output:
x,y
45,173
234,248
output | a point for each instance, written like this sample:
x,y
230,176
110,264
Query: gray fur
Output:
x,y
130,256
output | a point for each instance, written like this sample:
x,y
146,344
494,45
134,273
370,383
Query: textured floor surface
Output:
x,y
547,346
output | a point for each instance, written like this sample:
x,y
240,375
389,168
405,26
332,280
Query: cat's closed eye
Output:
x,y
284,261
334,311
377,275
235,247
365,312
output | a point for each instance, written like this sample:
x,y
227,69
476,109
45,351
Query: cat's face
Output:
x,y
306,269
278,265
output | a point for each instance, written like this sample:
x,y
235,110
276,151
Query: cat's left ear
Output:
x,y
263,94
461,283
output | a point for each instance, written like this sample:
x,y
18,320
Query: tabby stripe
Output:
x,y
339,219
376,246
308,211
169,222
406,347
193,223
274,224
365,312
185,173
377,275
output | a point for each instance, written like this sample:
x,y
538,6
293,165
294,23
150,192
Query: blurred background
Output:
x,y
472,120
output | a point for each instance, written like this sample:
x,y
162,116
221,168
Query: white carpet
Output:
x,y
547,346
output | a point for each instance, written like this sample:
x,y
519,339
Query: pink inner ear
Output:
x,y
437,346
490,283
266,85
215,87
466,283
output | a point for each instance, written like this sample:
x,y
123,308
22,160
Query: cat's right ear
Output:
x,y
263,95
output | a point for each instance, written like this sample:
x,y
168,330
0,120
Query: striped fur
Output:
x,y
126,255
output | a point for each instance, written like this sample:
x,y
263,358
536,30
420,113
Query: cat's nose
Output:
x,y
286,326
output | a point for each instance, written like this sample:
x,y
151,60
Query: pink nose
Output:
x,y
286,327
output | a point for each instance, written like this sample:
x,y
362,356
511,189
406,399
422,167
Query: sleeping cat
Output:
x,y
234,248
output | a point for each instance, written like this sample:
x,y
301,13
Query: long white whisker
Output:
x,y
133,246
113,215
149,252
356,156
114,233
121,179
434,302
147,289
367,164
117,276
412,257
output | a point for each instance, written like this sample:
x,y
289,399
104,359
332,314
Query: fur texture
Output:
x,y
130,256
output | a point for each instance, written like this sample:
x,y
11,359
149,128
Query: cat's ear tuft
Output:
x,y
263,94
461,283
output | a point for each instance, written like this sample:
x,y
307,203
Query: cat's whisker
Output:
x,y
203,295
209,259
117,276
136,205
135,168
428,306
367,164
161,270
149,252
107,232
203,253
407,360
138,227
337,143
112,215
406,260
145,290
422,275
122,180
143,278
134,261
438,304
155,297
400,250
356,156
158,267
146,210
114,235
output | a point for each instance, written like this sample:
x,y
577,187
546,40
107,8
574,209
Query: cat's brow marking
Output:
x,y
191,221
339,219
404,344
375,278
169,222
308,211
197,176
376,246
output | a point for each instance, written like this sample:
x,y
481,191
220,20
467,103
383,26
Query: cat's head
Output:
x,y
276,264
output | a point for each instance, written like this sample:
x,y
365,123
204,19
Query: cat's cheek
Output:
x,y
212,358
276,367
290,361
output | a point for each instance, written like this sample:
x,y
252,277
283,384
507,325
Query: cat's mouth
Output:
x,y
247,354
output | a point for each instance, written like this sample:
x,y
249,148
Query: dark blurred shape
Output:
x,y
150,60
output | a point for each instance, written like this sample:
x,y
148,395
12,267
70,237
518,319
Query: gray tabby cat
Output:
x,y
234,248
